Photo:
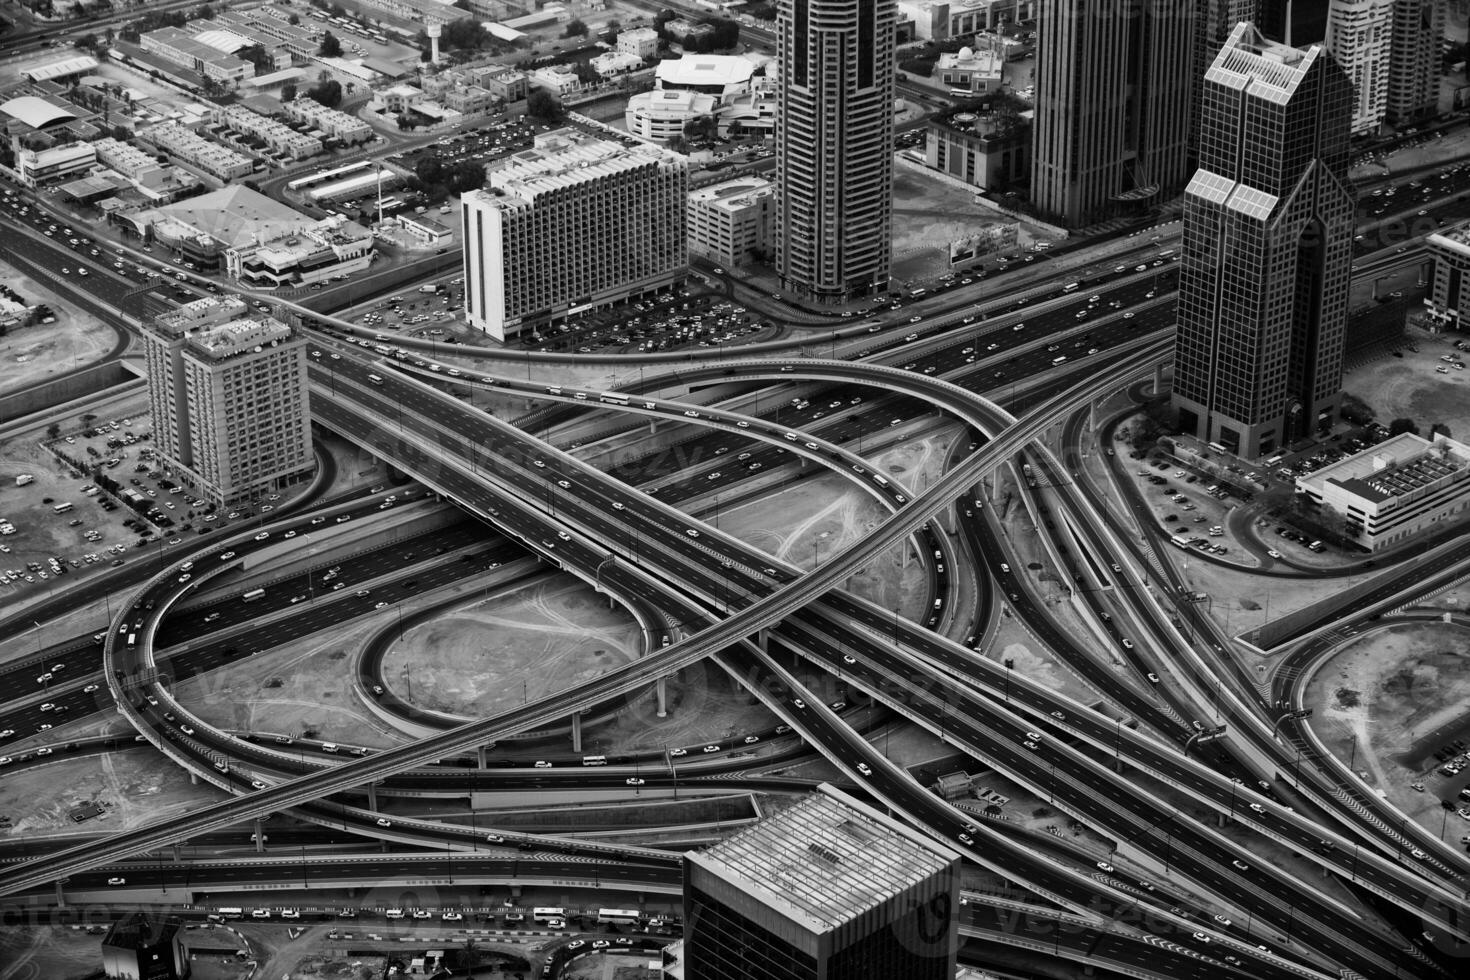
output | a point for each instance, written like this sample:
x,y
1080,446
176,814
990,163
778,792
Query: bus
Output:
x,y
375,379
232,913
1179,541
544,914
617,917
63,508
252,595
612,399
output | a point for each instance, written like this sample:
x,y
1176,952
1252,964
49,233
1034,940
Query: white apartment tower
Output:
x,y
1413,67
1360,37
573,224
834,147
229,399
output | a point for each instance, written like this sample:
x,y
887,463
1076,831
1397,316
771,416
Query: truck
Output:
x,y
429,288
24,479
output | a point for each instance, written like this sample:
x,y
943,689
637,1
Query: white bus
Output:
x,y
544,914
232,913
1179,541
617,917
252,595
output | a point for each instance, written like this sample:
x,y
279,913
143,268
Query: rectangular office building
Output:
x,y
574,224
229,399
1394,491
829,889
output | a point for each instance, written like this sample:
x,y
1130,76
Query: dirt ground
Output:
x,y
1385,702
138,787
1454,146
299,686
48,953
598,966
33,354
493,655
928,214
1409,387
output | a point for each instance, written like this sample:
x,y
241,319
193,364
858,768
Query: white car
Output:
x,y
384,822
862,767
117,881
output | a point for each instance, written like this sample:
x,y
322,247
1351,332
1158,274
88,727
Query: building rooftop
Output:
x,y
60,69
1456,238
140,930
35,111
826,860
704,70
1396,467
1266,69
732,195
216,328
236,215
564,158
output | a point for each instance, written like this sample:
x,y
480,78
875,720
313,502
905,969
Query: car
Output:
x,y
44,750
710,748
256,784
862,767
48,706
848,658
1240,865
676,753
601,943
1031,745
43,728
1034,736
290,914
421,914
186,729
262,535
384,822
90,688
1105,866
1420,855
1256,807
1200,937
1224,922
117,881
451,917
44,678
966,839
691,532
542,764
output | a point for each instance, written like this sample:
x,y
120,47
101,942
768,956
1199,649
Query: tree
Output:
x,y
762,11
1439,429
543,105
53,430
258,56
330,47
575,28
293,20
611,31
700,128
288,92
328,93
121,133
1399,426
586,74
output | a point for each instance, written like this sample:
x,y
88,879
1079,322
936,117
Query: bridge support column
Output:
x,y
60,894
762,640
515,892
652,425
259,836
193,778
178,853
372,789
481,757
577,732
1158,379
661,688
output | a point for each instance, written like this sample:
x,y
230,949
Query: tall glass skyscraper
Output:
x,y
1267,253
1113,90
834,147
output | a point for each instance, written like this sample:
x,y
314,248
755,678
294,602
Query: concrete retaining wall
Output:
x,y
79,384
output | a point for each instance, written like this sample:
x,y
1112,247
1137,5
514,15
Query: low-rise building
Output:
x,y
142,944
506,84
428,232
611,63
660,115
640,41
189,147
141,168
275,134
971,71
332,122
186,51
471,100
992,151
401,97
721,75
334,247
686,31
1395,491
730,223
940,20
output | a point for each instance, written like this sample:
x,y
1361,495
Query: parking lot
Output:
x,y
93,495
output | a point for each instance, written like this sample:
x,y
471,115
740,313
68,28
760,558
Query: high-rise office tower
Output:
x,y
1359,35
828,889
228,393
1413,68
1299,23
575,223
1214,21
1267,252
1113,84
834,147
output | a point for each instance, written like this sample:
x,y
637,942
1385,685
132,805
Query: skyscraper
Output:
x,y
1299,23
229,400
1359,35
1413,69
1215,20
834,147
1267,253
1113,85
828,889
